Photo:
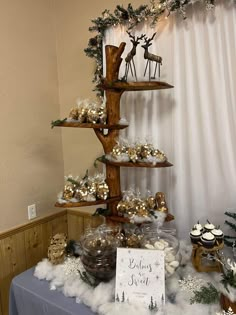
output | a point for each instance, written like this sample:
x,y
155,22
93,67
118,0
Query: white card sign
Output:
x,y
140,277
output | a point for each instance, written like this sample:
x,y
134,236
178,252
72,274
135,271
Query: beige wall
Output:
x,y
31,163
75,69
42,65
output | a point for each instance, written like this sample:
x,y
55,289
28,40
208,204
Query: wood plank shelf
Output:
x,y
87,203
75,124
131,164
135,86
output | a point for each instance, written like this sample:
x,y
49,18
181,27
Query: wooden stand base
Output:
x,y
203,264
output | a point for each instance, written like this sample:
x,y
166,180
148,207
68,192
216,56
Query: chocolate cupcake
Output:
x,y
208,240
198,226
208,227
195,236
219,235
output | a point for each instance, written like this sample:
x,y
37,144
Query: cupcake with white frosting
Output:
x,y
219,235
198,226
208,239
208,227
195,236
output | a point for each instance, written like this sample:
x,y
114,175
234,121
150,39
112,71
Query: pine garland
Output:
x,y
131,17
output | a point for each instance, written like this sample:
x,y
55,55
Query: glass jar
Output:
x,y
159,240
99,253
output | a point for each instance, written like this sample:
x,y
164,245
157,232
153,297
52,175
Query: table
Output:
x,y
31,296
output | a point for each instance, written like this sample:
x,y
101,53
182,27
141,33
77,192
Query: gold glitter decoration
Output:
x,y
102,113
151,202
68,192
81,193
82,114
161,202
74,113
159,155
56,249
132,241
132,154
146,151
91,186
93,114
156,152
138,149
126,207
102,190
141,209
117,150
122,207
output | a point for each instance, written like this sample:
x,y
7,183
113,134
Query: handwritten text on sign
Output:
x,y
140,277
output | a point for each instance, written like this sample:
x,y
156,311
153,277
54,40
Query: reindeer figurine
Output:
x,y
129,59
151,57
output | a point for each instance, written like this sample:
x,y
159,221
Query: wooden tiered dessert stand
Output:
x,y
114,88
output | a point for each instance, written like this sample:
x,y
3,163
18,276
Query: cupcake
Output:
x,y
198,226
195,236
208,239
219,235
208,227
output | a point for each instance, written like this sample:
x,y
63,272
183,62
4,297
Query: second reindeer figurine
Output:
x,y
151,57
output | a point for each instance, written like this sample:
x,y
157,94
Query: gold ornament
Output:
x,y
93,114
141,209
74,113
102,190
91,186
82,114
126,207
81,193
151,202
132,154
57,248
120,237
68,192
132,241
117,150
122,207
159,155
156,152
102,113
138,149
145,151
161,202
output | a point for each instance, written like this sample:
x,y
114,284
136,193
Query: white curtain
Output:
x,y
195,122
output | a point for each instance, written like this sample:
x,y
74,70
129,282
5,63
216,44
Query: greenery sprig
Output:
x,y
206,295
88,279
130,17
57,122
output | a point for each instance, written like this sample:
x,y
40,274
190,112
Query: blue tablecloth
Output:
x,y
30,296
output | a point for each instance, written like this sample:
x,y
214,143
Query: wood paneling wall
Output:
x,y
78,221
23,247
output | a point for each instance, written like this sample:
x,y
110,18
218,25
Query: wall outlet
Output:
x,y
32,212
